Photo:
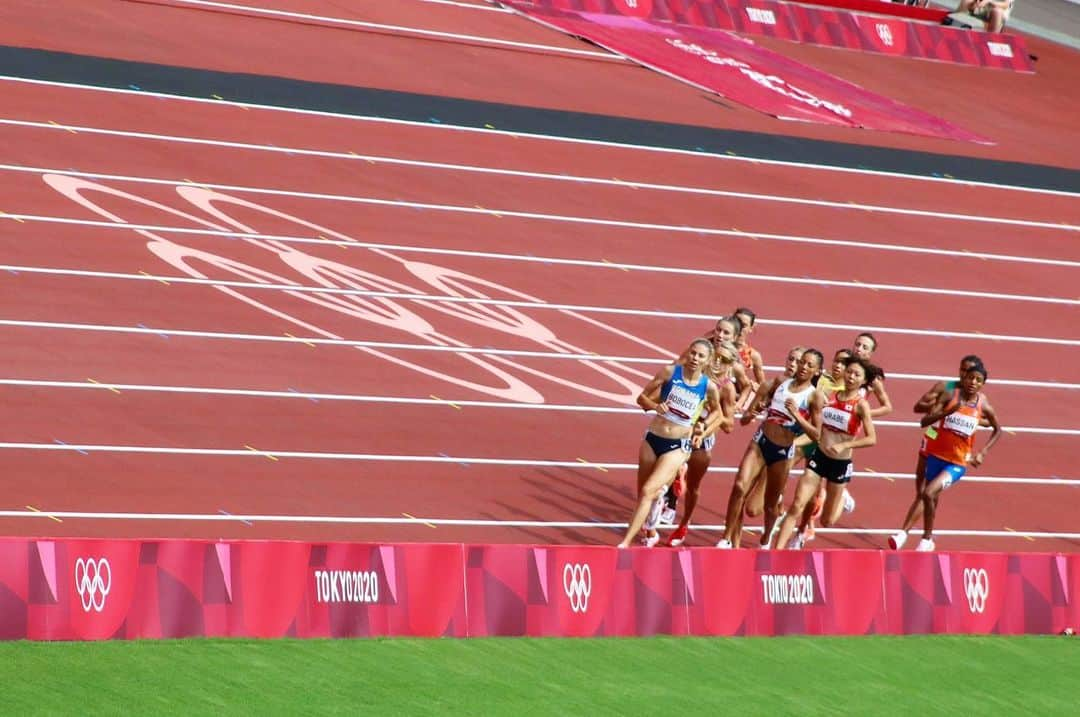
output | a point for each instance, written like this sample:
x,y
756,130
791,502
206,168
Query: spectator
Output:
x,y
995,13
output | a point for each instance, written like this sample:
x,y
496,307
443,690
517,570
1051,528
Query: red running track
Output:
x,y
365,456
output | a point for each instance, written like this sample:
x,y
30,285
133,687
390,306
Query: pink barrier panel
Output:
x,y
869,32
124,589
740,70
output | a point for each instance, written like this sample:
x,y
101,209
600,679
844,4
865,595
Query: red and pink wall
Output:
x,y
124,589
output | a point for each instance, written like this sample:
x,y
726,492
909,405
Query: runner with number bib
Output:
x,y
772,445
948,449
835,423
677,393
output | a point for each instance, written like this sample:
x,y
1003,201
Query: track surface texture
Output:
x,y
288,270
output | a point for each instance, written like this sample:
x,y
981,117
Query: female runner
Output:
x,y
755,500
772,445
720,371
925,403
751,357
684,390
727,329
835,423
949,449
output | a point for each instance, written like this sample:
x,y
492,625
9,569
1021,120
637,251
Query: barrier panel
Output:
x,y
816,25
126,589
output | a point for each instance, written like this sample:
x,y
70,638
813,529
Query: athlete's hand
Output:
x,y
697,439
976,460
746,417
792,406
833,450
661,408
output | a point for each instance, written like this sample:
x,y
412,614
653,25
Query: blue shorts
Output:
x,y
771,452
935,466
661,445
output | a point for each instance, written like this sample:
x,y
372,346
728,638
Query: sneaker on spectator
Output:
x,y
925,545
849,502
678,537
897,539
724,544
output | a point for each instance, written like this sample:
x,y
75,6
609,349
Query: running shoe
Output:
x,y
849,502
896,540
667,516
809,533
650,539
724,544
678,537
925,545
796,542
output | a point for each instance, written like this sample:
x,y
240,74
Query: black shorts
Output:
x,y
834,470
771,452
661,445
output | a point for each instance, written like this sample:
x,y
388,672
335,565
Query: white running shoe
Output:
x,y
651,539
925,546
796,542
849,502
667,516
724,544
897,539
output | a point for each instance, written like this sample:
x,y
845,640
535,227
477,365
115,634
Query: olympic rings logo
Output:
x,y
93,580
577,584
976,588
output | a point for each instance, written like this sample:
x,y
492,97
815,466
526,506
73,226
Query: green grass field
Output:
x,y
914,676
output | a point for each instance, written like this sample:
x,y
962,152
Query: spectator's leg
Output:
x,y
996,21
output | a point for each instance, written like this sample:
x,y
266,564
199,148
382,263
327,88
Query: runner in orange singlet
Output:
x,y
949,449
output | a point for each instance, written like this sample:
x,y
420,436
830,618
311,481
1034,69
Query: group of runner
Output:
x,y
810,413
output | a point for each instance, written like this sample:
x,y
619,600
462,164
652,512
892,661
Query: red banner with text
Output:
x,y
738,69
126,589
910,32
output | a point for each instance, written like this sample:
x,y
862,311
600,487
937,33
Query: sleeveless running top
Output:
x,y
684,401
840,416
827,386
747,359
778,414
954,436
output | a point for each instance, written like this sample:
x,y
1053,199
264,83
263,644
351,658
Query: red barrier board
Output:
x,y
126,589
832,27
745,72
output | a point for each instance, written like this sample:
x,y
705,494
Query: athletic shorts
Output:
x,y
935,467
661,445
808,450
771,452
834,470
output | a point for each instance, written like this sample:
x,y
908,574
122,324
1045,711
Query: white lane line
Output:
x,y
565,218
247,452
150,330
471,5
483,523
607,265
556,139
400,29
169,279
580,179
461,209
416,401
